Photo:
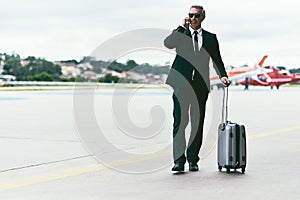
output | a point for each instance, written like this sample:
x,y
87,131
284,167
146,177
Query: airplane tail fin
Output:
x,y
260,64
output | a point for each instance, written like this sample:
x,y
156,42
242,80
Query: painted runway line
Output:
x,y
95,168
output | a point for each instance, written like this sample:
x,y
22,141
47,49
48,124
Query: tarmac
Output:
x,y
45,156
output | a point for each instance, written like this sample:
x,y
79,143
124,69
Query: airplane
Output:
x,y
272,76
236,75
259,75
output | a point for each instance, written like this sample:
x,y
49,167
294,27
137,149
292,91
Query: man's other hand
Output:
x,y
226,82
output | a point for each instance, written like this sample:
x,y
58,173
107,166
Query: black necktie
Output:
x,y
196,48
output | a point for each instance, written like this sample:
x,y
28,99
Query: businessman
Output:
x,y
189,78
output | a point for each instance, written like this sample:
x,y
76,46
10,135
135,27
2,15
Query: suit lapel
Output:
x,y
204,39
188,32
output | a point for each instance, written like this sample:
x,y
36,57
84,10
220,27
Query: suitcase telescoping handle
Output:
x,y
225,106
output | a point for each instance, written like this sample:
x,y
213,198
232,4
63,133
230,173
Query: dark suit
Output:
x,y
189,77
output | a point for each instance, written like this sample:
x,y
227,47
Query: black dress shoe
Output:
x,y
193,167
178,167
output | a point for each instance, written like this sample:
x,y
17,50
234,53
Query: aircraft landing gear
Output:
x,y
277,86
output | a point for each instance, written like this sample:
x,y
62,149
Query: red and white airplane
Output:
x,y
259,75
271,76
237,74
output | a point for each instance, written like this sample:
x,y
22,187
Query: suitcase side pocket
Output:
x,y
243,154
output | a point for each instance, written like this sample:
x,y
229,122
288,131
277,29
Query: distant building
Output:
x,y
113,73
155,79
90,75
141,78
24,62
86,66
8,77
69,70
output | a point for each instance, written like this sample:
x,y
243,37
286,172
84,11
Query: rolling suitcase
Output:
x,y
231,141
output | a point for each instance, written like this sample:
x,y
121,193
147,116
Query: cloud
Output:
x,y
71,29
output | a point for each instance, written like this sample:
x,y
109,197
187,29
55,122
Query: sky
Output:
x,y
70,29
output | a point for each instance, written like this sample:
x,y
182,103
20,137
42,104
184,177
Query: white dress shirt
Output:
x,y
200,39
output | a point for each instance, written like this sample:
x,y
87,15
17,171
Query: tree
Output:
x,y
44,76
118,67
109,78
131,64
37,66
86,59
12,66
23,73
31,59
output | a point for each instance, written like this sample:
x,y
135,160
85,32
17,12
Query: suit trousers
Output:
x,y
188,102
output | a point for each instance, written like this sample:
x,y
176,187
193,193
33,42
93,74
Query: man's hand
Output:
x,y
185,22
226,82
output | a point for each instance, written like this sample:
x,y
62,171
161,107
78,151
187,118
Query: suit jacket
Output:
x,y
187,61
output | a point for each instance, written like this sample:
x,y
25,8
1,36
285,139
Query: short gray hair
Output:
x,y
199,7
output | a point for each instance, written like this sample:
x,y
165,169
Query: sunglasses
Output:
x,y
191,15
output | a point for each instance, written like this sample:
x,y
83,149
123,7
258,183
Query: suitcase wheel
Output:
x,y
220,168
227,169
243,170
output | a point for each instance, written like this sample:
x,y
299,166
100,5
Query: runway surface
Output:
x,y
106,144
